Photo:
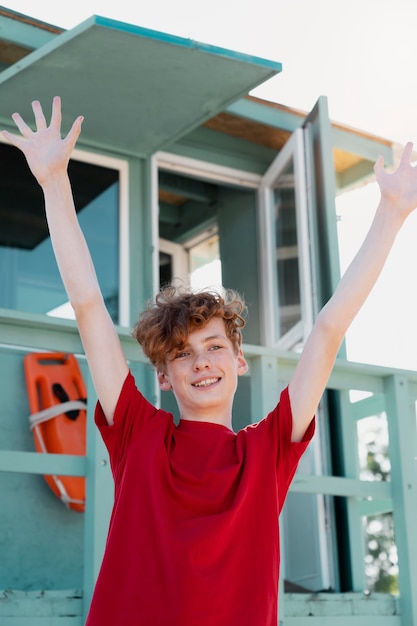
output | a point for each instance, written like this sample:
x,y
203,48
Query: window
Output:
x,y
29,277
207,212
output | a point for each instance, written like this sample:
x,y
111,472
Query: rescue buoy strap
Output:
x,y
54,411
60,393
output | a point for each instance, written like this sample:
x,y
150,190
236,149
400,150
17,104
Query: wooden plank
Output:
x,y
343,609
339,486
73,620
346,620
30,331
41,608
46,464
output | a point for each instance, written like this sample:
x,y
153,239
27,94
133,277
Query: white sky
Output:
x,y
361,54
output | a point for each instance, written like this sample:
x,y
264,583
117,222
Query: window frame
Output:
x,y
293,150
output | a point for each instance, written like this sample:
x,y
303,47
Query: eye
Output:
x,y
181,355
215,347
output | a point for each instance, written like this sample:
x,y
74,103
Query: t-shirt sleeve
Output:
x,y
131,414
289,452
274,439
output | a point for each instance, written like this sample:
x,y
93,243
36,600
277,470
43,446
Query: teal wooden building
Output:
x,y
179,171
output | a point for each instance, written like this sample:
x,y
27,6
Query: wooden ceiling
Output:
x,y
252,131
12,53
275,138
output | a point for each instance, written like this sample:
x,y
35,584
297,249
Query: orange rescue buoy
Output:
x,y
57,402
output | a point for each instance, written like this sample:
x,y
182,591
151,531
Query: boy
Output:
x,y
193,538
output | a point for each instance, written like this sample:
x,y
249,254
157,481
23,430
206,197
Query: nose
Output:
x,y
201,361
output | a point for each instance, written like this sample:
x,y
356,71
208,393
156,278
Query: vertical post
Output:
x,y
351,470
265,391
403,454
99,500
264,386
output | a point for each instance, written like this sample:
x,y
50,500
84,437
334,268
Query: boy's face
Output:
x,y
203,375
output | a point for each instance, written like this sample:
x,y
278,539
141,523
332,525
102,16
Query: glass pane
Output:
x,y
205,264
373,448
287,251
29,278
381,559
166,268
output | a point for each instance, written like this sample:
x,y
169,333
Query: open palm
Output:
x,y
399,188
46,152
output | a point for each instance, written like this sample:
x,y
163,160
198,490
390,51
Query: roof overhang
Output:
x,y
139,90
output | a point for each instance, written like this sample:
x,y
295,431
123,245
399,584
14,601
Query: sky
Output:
x,y
361,54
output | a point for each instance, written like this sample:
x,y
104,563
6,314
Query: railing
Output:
x,y
393,391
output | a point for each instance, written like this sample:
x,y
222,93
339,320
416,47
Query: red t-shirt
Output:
x,y
193,537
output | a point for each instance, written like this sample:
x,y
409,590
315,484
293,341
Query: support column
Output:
x,y
351,470
401,414
265,390
99,500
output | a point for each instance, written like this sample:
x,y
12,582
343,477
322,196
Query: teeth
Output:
x,y
206,383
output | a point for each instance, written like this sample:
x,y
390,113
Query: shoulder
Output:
x,y
279,416
276,427
132,417
131,404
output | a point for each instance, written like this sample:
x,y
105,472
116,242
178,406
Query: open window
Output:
x,y
207,227
286,266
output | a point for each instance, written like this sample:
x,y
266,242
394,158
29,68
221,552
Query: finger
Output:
x,y
56,112
74,132
379,164
14,140
39,116
407,152
21,124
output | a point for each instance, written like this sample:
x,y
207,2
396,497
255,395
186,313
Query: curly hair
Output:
x,y
166,322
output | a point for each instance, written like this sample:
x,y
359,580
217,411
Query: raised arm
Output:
x,y
398,200
48,156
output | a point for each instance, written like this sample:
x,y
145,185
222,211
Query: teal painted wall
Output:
x,y
41,541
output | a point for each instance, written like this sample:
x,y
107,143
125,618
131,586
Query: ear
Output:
x,y
242,364
163,381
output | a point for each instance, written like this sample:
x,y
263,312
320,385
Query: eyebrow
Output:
x,y
210,338
214,337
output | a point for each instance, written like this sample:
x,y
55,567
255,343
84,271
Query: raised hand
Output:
x,y
399,188
46,152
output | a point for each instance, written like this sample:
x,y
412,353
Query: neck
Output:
x,y
208,416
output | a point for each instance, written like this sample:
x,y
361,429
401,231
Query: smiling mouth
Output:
x,y
207,382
